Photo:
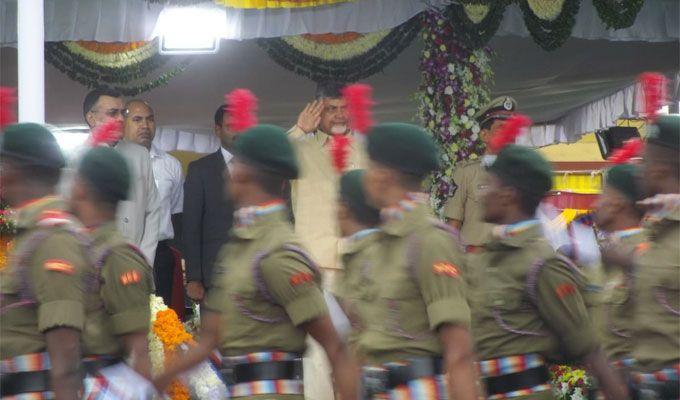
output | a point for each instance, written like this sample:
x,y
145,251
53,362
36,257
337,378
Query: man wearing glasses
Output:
x,y
138,217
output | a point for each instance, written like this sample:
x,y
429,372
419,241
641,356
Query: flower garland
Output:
x,y
570,383
476,24
7,232
618,14
93,64
346,57
550,33
453,87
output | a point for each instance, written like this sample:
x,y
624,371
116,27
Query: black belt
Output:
x,y
517,380
39,381
417,368
263,371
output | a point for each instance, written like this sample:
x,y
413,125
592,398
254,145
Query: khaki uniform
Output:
x,y
616,314
53,263
657,297
264,314
528,300
358,256
121,305
414,285
314,194
466,203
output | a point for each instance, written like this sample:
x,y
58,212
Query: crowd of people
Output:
x,y
477,306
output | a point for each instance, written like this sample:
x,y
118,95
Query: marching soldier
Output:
x,y
357,221
118,321
42,308
265,297
618,216
528,306
417,316
656,326
464,210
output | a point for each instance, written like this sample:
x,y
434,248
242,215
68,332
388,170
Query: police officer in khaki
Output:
x,y
417,318
618,217
656,294
265,297
358,223
464,210
117,325
42,308
528,307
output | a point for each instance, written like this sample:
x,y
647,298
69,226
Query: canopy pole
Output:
x,y
31,60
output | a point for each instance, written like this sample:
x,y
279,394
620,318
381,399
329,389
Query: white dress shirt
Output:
x,y
167,172
227,157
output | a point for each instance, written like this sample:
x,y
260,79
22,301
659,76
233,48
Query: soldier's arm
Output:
x,y
128,283
562,307
443,288
454,209
57,273
293,284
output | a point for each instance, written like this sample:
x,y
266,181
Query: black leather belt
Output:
x,y
263,371
416,368
516,381
39,381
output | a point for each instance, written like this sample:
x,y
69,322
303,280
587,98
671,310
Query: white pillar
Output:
x,y
31,63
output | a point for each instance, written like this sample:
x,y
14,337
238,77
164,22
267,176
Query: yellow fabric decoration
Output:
x,y
276,3
582,183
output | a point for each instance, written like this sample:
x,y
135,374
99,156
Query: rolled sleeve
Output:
x,y
136,320
306,308
61,313
448,311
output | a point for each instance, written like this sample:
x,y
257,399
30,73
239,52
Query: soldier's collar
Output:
x,y
48,207
249,220
102,230
517,234
362,234
402,218
358,241
624,233
662,206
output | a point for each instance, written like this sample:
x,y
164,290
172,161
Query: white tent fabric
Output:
x,y
132,20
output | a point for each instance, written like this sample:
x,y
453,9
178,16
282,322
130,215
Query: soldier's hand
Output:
x,y
195,291
309,118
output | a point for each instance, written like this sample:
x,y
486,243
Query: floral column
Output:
x,y
453,88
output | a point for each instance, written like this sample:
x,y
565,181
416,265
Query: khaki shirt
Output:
x,y
122,304
657,297
466,203
507,321
617,315
314,194
264,314
55,268
414,285
358,255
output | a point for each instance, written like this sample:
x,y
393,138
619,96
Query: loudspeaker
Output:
x,y
611,139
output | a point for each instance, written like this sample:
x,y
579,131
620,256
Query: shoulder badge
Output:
x,y
445,268
130,277
61,266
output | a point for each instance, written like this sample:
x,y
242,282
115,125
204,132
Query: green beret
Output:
x,y
352,192
665,132
499,108
32,144
523,168
107,172
624,179
267,147
404,147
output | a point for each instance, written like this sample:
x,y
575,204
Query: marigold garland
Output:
x,y
170,330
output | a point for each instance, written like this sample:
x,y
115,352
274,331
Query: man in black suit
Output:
x,y
207,212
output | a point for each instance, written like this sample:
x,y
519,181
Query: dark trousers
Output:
x,y
163,270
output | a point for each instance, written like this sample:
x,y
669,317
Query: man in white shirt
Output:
x,y
136,218
140,128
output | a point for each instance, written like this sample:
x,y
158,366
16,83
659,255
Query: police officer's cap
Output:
x,y
404,147
623,178
31,144
523,168
107,172
267,147
499,108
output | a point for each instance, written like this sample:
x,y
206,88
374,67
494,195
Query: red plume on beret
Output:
x,y
242,106
359,103
108,133
508,132
630,149
340,152
7,100
653,94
